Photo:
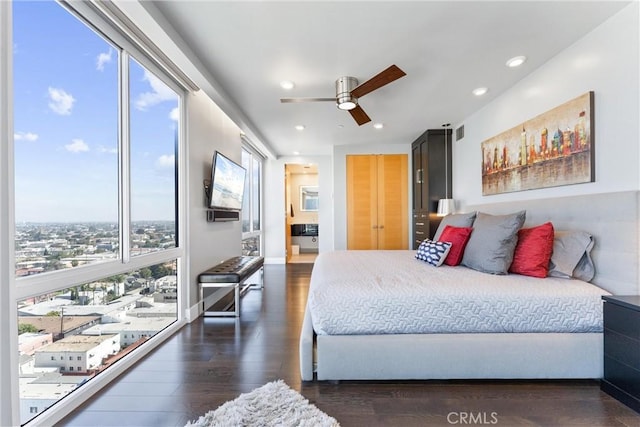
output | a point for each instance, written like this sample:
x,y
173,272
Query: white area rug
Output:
x,y
273,404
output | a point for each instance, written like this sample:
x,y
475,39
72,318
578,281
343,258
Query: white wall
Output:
x,y
340,153
605,61
275,209
209,242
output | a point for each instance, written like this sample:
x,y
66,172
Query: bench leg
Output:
x,y
261,284
236,292
236,301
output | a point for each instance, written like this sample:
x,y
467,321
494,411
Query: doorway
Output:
x,y
301,204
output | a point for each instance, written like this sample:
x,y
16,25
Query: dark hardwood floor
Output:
x,y
213,360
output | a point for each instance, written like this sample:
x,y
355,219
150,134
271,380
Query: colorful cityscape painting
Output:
x,y
552,149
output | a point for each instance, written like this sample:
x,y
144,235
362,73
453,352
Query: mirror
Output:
x,y
308,198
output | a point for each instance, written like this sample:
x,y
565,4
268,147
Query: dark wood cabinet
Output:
x,y
622,349
431,177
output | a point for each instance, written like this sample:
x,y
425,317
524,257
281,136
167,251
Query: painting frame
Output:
x,y
552,149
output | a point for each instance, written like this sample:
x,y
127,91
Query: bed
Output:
x,y
554,330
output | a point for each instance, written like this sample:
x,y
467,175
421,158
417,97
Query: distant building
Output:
x,y
60,326
78,353
133,329
38,392
29,342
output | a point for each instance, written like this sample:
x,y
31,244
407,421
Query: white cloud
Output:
x,y
166,161
103,58
77,146
175,114
103,149
60,101
160,92
25,136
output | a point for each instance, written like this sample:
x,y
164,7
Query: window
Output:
x,y
65,141
96,176
33,409
153,161
252,202
256,180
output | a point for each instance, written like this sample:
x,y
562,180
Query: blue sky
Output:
x,y
66,124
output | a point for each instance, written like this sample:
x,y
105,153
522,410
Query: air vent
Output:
x,y
460,133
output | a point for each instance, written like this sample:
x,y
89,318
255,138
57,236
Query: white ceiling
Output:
x,y
447,48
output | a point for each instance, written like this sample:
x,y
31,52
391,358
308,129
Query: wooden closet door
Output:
x,y
393,201
362,202
377,202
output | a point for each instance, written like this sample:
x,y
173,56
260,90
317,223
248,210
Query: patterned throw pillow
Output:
x,y
432,252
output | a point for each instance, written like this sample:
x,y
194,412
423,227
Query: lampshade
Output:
x,y
446,207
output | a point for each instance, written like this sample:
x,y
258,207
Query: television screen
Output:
x,y
227,184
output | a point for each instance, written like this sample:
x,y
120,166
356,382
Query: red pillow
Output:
x,y
533,251
458,237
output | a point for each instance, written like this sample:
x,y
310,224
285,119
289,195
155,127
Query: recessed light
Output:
x,y
480,91
295,153
378,125
287,84
516,61
299,127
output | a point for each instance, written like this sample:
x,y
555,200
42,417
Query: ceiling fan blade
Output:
x,y
359,115
376,82
295,100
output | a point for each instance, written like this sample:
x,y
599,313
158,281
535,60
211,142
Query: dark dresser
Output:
x,y
622,349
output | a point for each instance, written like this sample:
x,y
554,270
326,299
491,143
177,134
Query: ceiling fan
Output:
x,y
348,91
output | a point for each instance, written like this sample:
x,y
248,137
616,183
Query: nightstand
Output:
x,y
622,349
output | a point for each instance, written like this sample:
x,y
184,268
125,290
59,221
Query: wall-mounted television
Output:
x,y
227,184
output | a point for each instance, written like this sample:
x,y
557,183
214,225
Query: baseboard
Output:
x,y
275,260
193,312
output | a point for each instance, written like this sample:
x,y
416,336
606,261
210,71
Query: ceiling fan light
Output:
x,y
347,105
344,99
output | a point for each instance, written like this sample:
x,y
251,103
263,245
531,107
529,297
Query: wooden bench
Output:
x,y
230,273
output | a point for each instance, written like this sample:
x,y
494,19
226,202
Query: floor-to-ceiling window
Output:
x,y
252,202
96,145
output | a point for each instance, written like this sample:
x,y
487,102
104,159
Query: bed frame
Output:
x,y
612,218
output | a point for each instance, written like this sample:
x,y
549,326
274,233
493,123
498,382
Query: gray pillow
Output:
x,y
571,255
455,220
492,242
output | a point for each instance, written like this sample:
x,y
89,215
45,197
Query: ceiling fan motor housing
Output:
x,y
344,99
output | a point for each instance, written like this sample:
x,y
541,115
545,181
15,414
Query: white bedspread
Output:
x,y
390,292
